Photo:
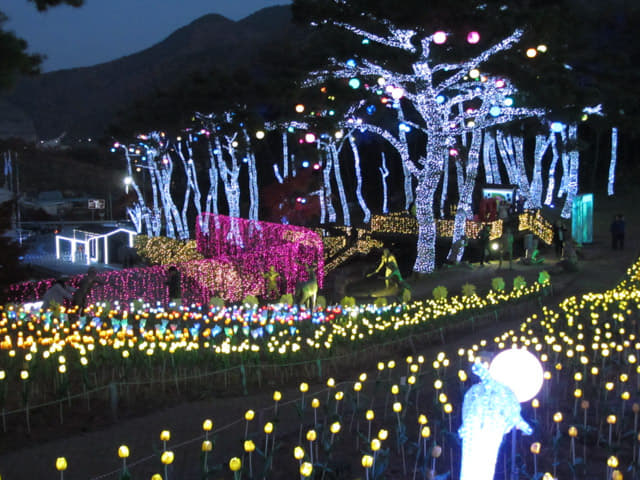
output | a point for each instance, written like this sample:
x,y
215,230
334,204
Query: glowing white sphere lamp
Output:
x,y
439,37
520,370
299,108
309,137
531,52
397,93
259,134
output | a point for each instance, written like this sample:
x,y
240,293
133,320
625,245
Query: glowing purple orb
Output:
x,y
473,37
439,37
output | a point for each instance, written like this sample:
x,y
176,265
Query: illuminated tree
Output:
x,y
150,155
448,101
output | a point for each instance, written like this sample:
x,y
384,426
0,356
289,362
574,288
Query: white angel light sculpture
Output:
x,y
489,411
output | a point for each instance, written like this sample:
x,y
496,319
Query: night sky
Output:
x,y
104,30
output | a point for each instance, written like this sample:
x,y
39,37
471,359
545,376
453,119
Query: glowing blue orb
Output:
x,y
365,41
440,99
305,164
354,83
557,127
520,370
351,63
404,127
371,109
495,111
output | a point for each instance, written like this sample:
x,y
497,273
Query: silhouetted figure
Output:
x,y
483,238
617,233
506,247
173,282
84,288
559,237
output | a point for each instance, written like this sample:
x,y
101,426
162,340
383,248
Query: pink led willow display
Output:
x,y
258,245
235,267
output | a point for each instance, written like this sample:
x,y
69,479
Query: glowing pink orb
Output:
x,y
453,152
439,37
473,37
500,83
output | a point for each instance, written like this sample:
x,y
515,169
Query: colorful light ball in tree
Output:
x,y
354,83
473,37
439,37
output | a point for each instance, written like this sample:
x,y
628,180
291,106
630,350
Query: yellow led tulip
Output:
x,y
165,435
61,464
335,427
311,436
207,446
235,464
298,453
268,428
535,448
306,469
277,396
249,446
123,451
304,387
167,457
249,415
367,461
207,425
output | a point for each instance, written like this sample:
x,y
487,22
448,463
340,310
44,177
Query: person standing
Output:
x,y
483,238
173,283
506,247
84,288
559,234
617,232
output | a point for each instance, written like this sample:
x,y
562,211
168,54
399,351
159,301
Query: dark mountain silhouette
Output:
x,y
85,101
